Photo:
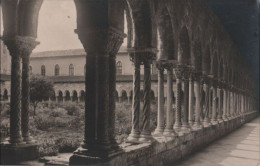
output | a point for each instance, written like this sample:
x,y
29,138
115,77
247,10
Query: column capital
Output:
x,y
145,55
178,71
20,45
104,41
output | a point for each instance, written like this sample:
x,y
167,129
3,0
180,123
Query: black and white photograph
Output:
x,y
129,82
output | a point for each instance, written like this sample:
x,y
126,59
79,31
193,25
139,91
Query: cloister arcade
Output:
x,y
218,89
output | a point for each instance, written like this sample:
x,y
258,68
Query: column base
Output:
x,y
177,127
169,133
133,137
214,122
158,132
15,153
197,126
84,156
146,137
185,128
206,123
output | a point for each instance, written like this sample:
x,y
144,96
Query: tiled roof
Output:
x,y
66,52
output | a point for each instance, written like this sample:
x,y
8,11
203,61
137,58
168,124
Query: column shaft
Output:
x,y
146,133
25,98
185,125
197,124
169,111
191,101
214,105
219,104
160,111
15,105
136,102
206,105
178,73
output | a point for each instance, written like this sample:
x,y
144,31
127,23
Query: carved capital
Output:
x,y
20,45
103,41
178,71
146,55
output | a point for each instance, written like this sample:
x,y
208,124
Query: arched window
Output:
x,y
30,69
57,70
154,69
43,70
71,70
119,68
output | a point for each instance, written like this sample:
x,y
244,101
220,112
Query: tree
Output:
x,y
40,89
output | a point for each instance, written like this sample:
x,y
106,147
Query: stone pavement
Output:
x,y
240,148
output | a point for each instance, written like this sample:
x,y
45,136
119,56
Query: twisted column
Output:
x,y
30,44
178,74
185,126
135,132
197,124
146,133
206,121
19,46
191,99
25,99
169,112
160,112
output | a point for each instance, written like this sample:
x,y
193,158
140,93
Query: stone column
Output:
x,y
197,124
57,99
206,121
135,132
191,100
178,74
116,40
146,133
31,44
219,104
169,112
160,112
225,109
13,46
185,125
214,104
228,103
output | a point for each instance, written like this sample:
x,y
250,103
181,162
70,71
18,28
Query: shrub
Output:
x,y
47,147
57,112
72,110
44,122
67,145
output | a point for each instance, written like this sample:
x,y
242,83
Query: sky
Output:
x,y
56,25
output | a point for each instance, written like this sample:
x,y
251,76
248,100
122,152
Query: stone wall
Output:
x,y
166,151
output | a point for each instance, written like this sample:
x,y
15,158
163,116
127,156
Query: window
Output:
x,y
57,70
43,70
154,69
119,68
71,70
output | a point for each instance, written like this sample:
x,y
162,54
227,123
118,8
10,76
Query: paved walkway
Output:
x,y
240,148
